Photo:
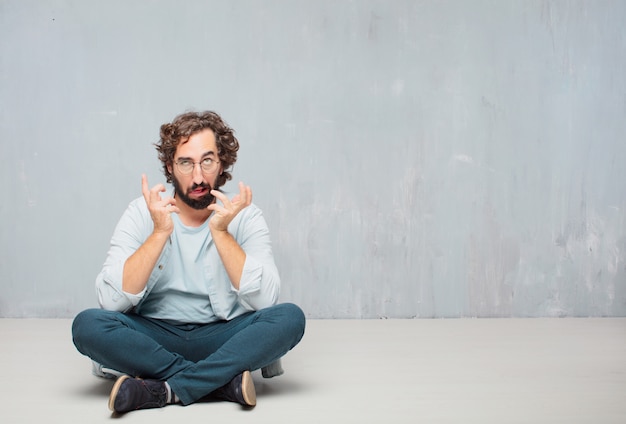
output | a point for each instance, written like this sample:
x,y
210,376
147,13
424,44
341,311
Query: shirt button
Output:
x,y
160,266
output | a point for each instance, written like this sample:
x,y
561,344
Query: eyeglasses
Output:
x,y
207,165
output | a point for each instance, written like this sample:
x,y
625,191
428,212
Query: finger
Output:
x,y
167,202
221,197
154,192
144,187
170,207
249,193
242,191
217,209
245,194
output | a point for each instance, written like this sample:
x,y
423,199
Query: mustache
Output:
x,y
201,185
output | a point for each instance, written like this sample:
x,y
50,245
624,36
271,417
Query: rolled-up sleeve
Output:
x,y
259,286
131,231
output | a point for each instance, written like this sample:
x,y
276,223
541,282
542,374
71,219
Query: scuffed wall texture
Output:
x,y
413,159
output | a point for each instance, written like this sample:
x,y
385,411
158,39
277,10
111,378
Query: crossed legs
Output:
x,y
194,360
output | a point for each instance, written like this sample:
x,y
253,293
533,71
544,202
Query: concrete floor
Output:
x,y
352,371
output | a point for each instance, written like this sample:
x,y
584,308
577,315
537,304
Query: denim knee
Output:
x,y
79,326
295,319
86,327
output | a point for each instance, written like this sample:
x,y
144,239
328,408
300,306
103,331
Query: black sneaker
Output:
x,y
240,390
129,394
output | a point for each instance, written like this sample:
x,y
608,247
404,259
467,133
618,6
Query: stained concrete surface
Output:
x,y
360,371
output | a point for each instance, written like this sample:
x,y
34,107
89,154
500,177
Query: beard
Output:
x,y
200,202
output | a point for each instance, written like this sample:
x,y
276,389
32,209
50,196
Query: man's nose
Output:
x,y
198,176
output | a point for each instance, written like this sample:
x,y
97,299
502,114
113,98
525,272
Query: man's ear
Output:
x,y
169,168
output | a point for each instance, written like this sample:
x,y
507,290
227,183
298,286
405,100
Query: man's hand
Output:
x,y
223,214
139,265
160,209
232,255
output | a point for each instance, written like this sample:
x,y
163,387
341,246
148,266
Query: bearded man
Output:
x,y
189,289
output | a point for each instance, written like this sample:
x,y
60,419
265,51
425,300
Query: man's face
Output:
x,y
194,188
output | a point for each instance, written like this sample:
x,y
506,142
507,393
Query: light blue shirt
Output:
x,y
189,282
182,294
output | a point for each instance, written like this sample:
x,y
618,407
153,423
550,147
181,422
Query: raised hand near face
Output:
x,y
223,214
160,208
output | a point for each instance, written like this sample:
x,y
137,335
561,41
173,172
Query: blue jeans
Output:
x,y
194,359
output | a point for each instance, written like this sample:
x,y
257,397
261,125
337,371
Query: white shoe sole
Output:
x,y
247,388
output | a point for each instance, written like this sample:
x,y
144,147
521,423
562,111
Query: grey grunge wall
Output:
x,y
412,158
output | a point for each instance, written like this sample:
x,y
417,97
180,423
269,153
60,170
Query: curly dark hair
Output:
x,y
189,123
